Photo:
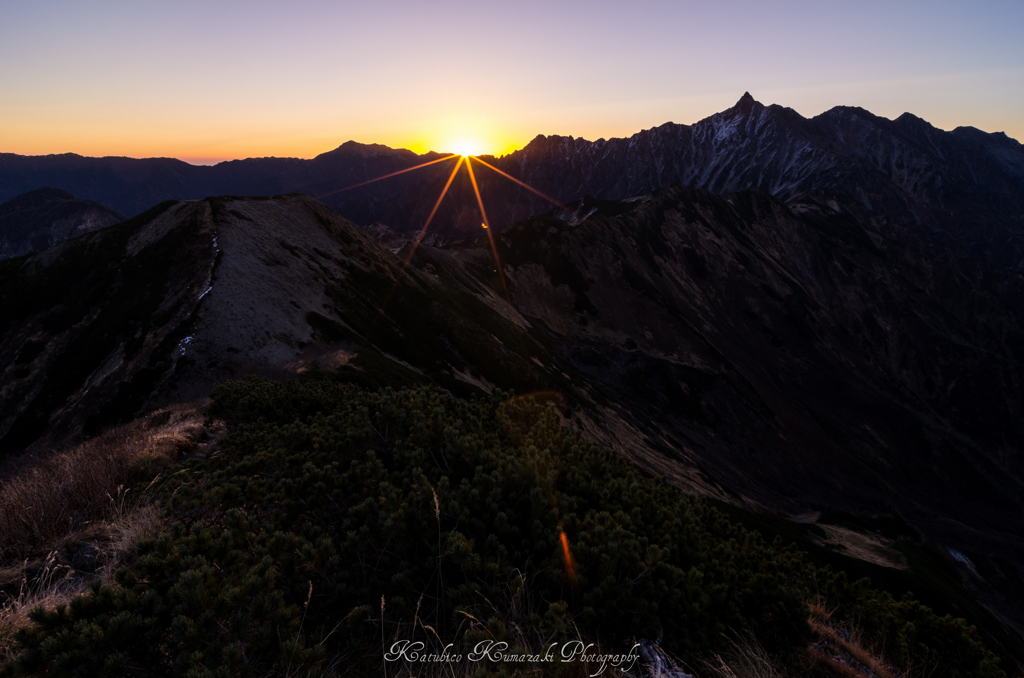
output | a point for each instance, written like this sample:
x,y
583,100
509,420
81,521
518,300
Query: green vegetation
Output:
x,y
929,578
334,519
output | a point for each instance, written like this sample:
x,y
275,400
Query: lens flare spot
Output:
x,y
570,569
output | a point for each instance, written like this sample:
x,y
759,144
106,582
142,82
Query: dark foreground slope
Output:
x,y
796,358
46,216
335,528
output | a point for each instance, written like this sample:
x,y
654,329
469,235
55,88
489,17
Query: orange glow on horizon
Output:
x,y
467,148
467,136
198,148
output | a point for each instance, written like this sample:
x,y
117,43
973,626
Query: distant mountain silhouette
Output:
x,y
134,185
964,186
46,216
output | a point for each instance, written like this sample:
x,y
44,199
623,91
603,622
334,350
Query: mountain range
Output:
x,y
804,318
914,173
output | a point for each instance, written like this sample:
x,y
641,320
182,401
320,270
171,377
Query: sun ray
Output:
x,y
467,158
476,190
490,235
423,231
416,244
523,184
393,174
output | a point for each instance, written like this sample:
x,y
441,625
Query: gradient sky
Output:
x,y
206,81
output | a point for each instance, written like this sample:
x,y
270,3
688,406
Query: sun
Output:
x,y
467,148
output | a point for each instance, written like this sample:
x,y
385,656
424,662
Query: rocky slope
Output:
x,y
46,216
794,356
159,307
791,357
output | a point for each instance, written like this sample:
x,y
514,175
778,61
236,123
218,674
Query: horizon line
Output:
x,y
211,161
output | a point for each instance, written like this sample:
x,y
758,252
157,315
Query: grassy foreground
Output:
x,y
334,522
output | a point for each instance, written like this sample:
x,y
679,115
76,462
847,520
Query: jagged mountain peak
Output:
x,y
909,117
909,121
746,105
847,113
747,101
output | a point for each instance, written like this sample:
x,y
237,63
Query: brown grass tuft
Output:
x,y
55,585
841,649
76,509
744,659
62,493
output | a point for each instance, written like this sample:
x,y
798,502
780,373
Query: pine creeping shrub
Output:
x,y
336,520
909,635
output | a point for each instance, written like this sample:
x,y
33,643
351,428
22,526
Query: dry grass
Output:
x,y
75,509
517,636
870,548
841,649
744,659
55,585
63,492
838,652
53,582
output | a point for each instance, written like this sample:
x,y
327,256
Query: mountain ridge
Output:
x,y
906,167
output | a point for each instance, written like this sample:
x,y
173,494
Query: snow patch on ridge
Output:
x,y
209,275
964,560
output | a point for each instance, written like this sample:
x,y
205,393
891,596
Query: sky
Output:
x,y
223,79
